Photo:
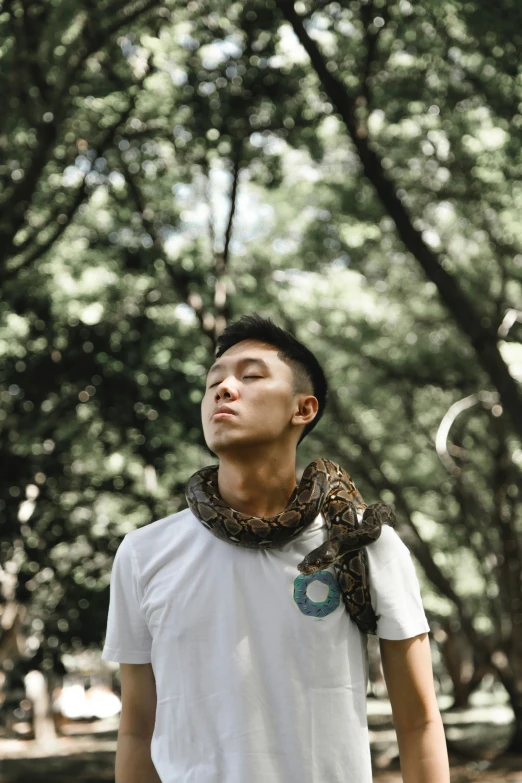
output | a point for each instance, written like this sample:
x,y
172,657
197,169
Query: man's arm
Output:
x,y
138,716
408,673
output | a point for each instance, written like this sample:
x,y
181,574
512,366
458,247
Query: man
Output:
x,y
226,677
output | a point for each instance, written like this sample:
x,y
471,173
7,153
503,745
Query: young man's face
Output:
x,y
259,394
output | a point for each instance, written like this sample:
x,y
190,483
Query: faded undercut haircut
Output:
x,y
307,372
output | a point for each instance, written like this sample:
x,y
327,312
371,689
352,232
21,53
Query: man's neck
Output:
x,y
259,488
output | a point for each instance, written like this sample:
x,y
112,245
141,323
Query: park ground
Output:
x,y
475,735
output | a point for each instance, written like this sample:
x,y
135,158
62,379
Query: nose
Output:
x,y
224,390
225,394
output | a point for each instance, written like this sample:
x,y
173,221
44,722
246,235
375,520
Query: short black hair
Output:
x,y
305,368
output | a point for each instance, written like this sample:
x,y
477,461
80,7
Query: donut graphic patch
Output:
x,y
317,608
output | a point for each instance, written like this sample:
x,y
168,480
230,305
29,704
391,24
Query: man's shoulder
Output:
x,y
388,546
160,527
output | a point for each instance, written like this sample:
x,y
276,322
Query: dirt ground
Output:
x,y
503,771
86,754
88,760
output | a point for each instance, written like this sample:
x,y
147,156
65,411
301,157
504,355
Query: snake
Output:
x,y
325,487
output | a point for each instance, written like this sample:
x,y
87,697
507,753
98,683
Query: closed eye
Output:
x,y
245,376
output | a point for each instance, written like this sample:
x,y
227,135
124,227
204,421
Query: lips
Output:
x,y
223,409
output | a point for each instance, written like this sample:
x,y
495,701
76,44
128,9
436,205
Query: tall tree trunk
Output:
x,y
510,659
38,692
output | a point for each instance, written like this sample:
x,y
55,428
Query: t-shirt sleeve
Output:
x,y
128,639
394,588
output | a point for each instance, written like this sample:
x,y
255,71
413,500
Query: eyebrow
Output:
x,y
240,363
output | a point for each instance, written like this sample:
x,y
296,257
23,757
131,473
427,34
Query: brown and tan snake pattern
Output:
x,y
326,488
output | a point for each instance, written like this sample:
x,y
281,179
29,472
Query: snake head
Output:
x,y
380,512
320,558
306,567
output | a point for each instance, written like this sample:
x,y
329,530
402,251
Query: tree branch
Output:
x,y
21,196
79,197
483,340
179,278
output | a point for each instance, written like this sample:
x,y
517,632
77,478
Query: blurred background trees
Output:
x,y
353,172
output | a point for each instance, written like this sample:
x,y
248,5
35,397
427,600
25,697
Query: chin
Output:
x,y
226,441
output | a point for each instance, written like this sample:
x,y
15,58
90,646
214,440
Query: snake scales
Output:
x,y
326,488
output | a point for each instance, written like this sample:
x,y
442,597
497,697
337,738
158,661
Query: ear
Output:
x,y
307,407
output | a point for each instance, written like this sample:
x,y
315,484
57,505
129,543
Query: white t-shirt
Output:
x,y
256,683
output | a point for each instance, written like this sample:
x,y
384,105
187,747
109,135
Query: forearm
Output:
x,y
133,760
423,754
